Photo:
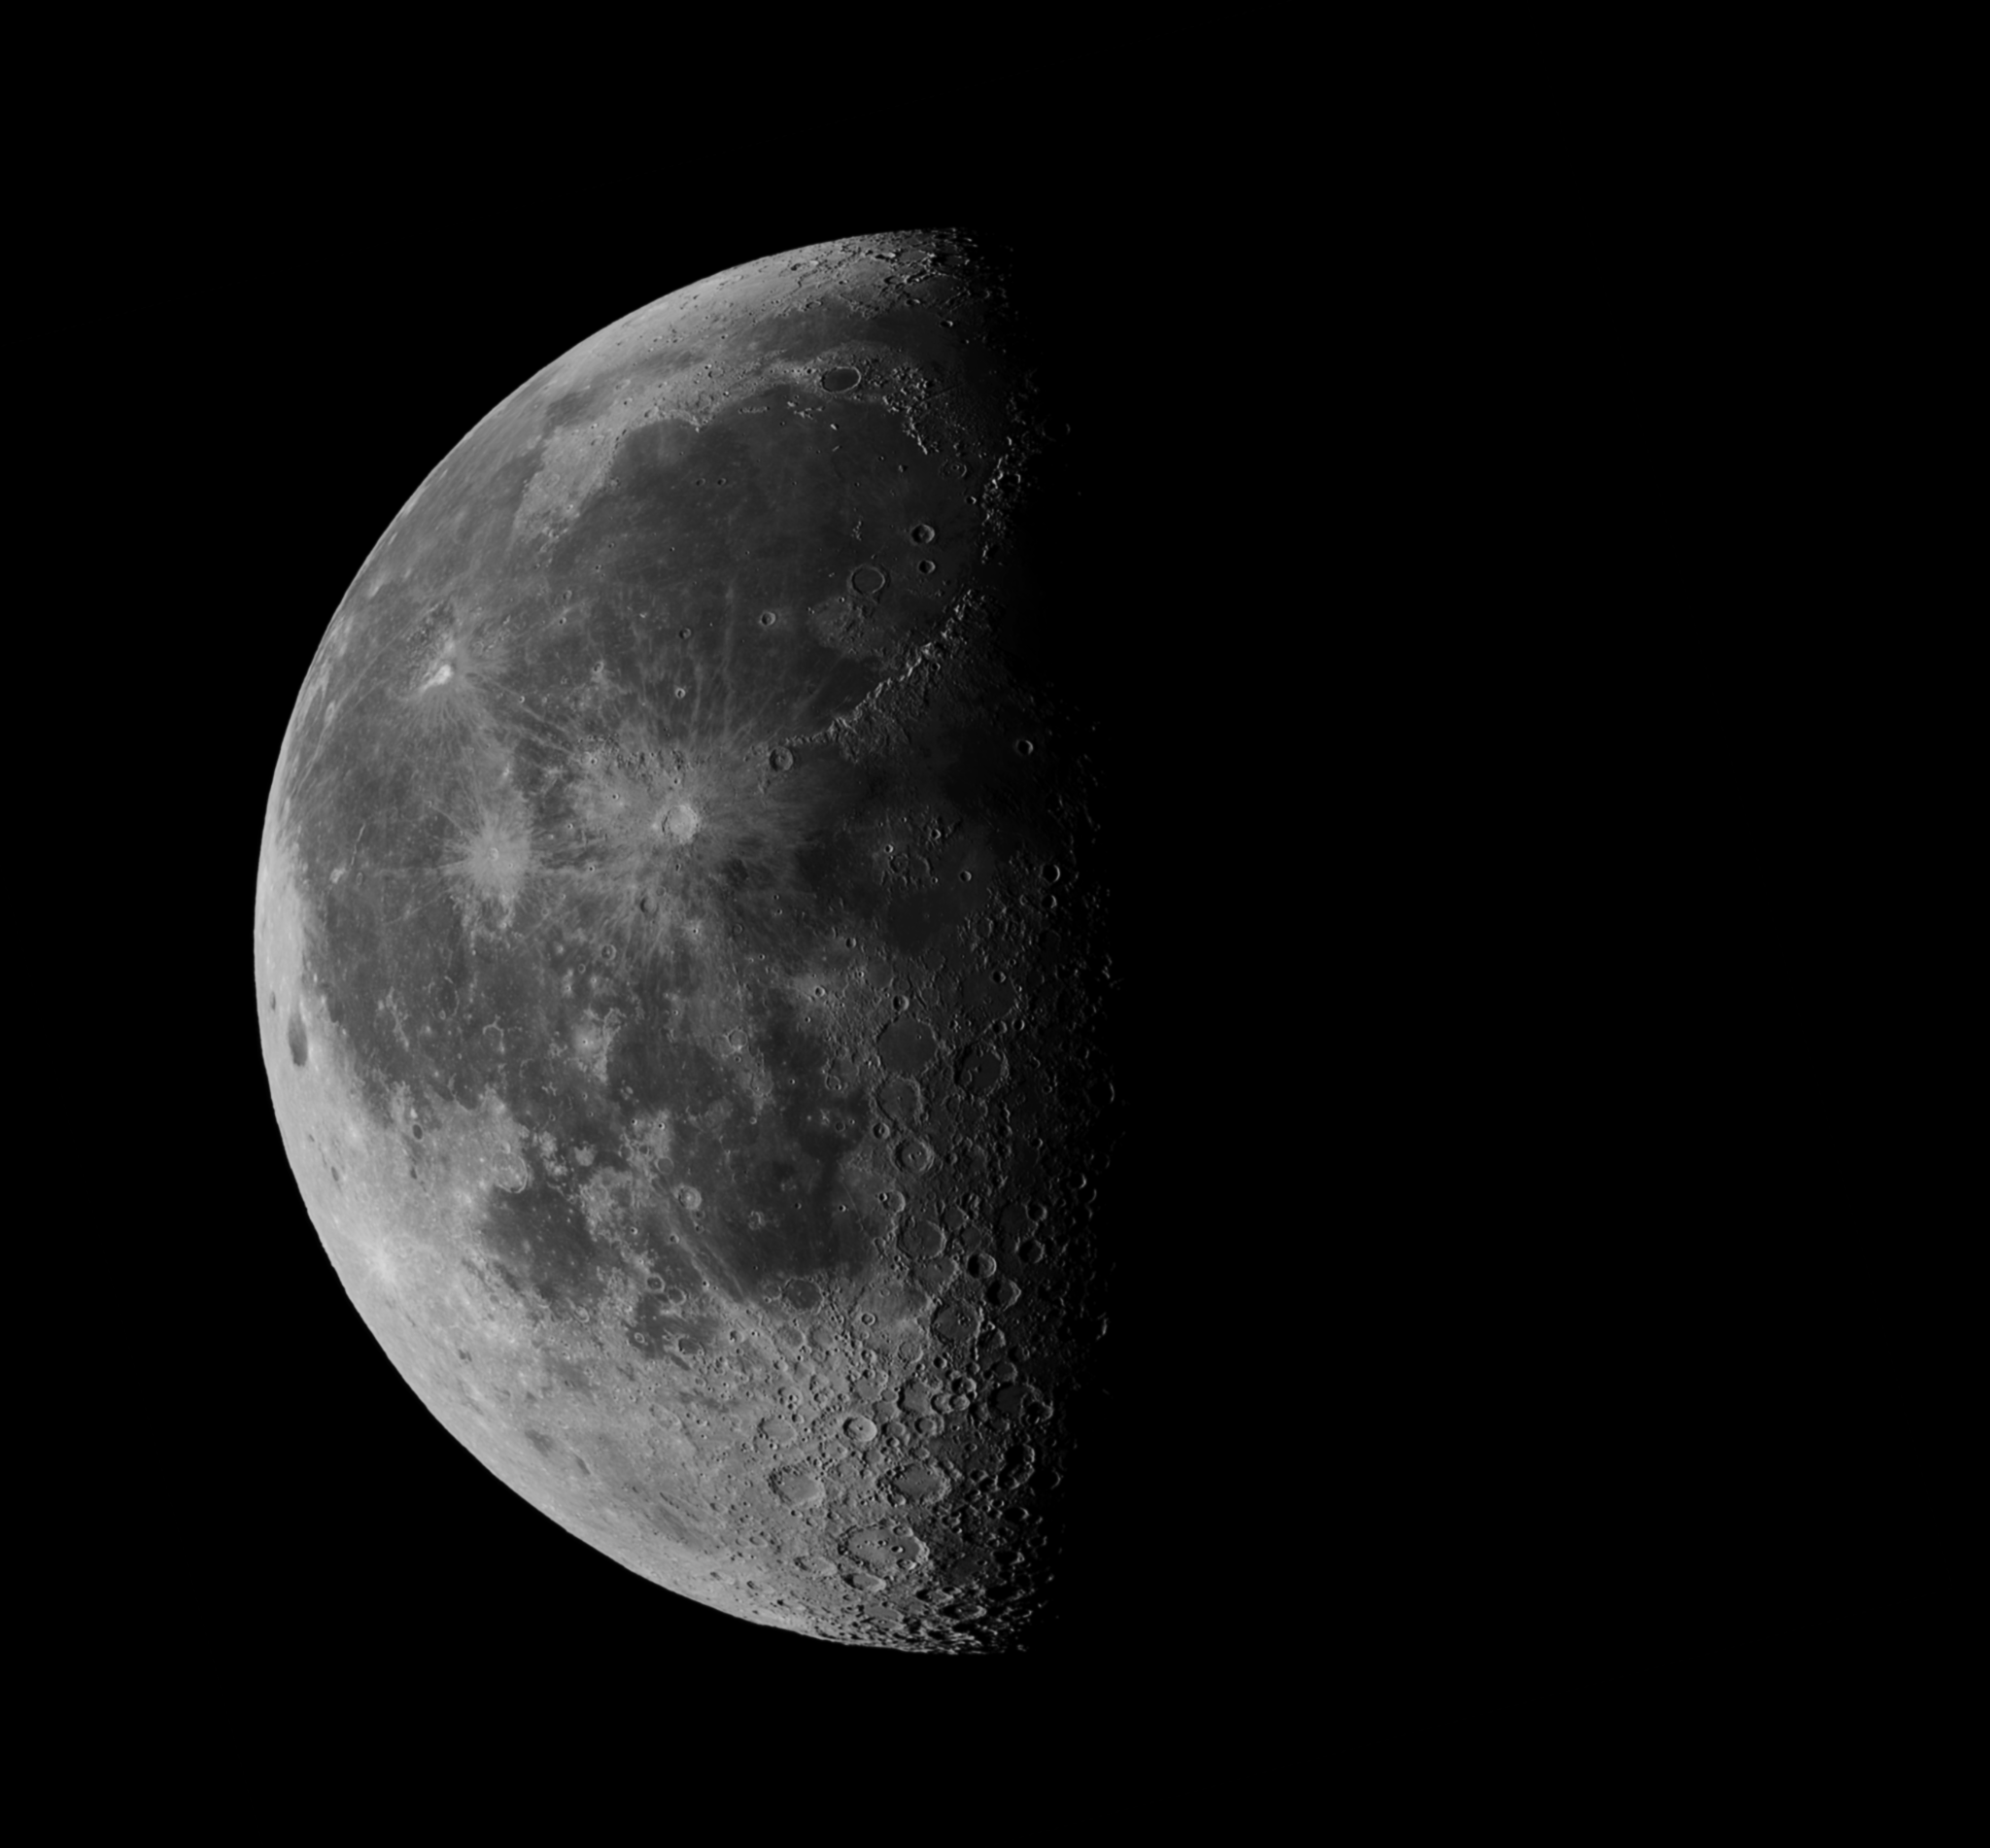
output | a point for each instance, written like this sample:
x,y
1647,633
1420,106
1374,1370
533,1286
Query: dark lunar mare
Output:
x,y
685,966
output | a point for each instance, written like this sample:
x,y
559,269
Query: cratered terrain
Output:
x,y
680,958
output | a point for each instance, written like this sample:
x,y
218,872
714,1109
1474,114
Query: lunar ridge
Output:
x,y
678,958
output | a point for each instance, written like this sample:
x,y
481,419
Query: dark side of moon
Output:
x,y
677,962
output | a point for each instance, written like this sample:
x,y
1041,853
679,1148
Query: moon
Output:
x,y
677,958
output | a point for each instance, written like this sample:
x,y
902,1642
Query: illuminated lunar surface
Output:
x,y
677,958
